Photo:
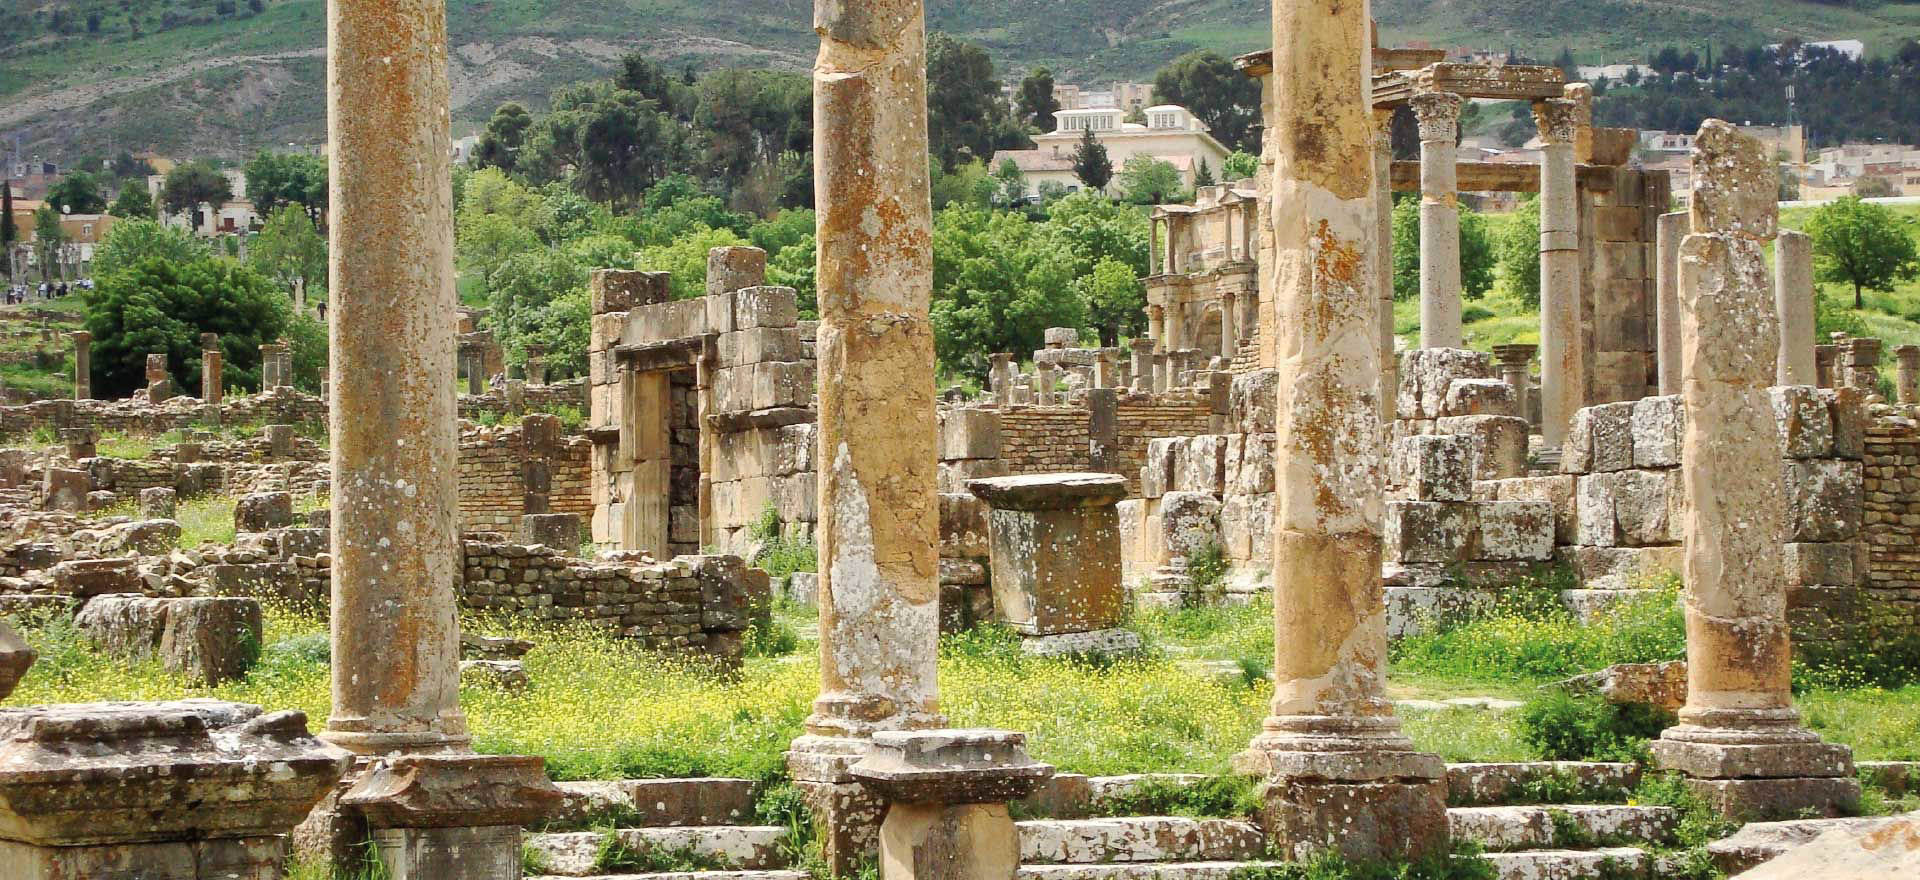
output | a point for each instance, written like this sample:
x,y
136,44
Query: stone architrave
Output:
x,y
1672,229
1794,300
1563,379
1439,116
200,789
1338,770
1055,542
1740,740
947,794
1908,378
82,365
879,529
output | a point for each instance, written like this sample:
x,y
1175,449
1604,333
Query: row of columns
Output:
x,y
1167,327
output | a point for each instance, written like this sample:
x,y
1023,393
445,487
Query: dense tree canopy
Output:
x,y
191,184
1036,104
158,305
77,193
1227,100
276,179
129,242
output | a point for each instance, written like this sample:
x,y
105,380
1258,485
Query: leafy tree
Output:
x,y
1874,188
1861,244
748,118
1036,103
160,306
49,242
1519,253
130,242
499,145
1091,163
276,179
1476,252
794,266
524,287
968,184
1114,296
638,73
1241,165
191,184
1204,82
1150,181
615,140
133,202
487,241
291,251
786,229
964,110
498,218
997,284
686,259
77,193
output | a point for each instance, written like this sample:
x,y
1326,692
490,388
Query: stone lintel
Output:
x,y
1050,491
1391,60
1763,761
951,766
1340,767
668,355
1508,82
775,417
454,791
1502,177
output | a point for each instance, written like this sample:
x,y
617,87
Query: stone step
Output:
x,y
1142,871
728,847
653,803
1495,784
1568,825
688,875
1138,839
1074,796
1614,863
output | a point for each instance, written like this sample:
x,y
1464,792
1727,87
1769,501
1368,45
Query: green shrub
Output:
x,y
1225,796
1208,569
1560,726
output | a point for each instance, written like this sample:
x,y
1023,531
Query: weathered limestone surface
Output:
x,y
16,657
394,415
878,534
82,365
947,794
1794,300
1887,849
1336,764
1739,736
1562,368
1056,551
1672,230
208,639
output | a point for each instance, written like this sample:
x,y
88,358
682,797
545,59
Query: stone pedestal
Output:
x,y
1000,377
280,441
560,531
947,793
1824,359
81,443
159,384
16,657
183,790
1516,368
1740,741
1863,364
1056,551
448,816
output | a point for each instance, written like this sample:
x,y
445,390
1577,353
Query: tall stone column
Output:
x,y
211,363
1339,772
1382,138
1563,379
1439,115
1740,741
1671,231
82,365
1793,298
1175,324
878,534
396,641
1909,375
1157,327
1229,326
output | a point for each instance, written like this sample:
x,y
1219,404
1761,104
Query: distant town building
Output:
x,y
1854,49
1171,134
1115,95
235,216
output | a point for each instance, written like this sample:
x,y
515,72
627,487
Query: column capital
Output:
x,y
1439,115
1382,128
1557,119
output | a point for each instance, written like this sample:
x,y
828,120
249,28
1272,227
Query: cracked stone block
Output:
x,y
263,511
1825,499
1202,466
1436,467
1430,531
1822,564
970,432
1479,397
208,639
1516,531
1658,425
1499,448
1806,422
1427,374
1189,522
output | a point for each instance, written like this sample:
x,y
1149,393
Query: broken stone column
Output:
x,y
159,384
1157,326
1563,378
82,365
1863,364
1516,367
536,367
1439,115
1909,375
200,789
1740,741
1382,132
1794,300
1055,548
1338,771
878,535
281,441
1000,377
1106,372
1824,358
1672,229
210,369
1043,384
947,794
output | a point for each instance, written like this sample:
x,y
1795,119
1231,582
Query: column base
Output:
x,y
245,858
941,841
846,814
1763,800
1773,772
489,852
434,816
1367,805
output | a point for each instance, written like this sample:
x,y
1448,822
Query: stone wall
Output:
x,y
1890,523
279,406
495,479
570,394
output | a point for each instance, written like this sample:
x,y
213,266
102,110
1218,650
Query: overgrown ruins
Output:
x,y
1683,421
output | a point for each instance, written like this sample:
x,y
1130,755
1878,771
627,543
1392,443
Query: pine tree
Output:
x,y
1091,163
9,231
1204,176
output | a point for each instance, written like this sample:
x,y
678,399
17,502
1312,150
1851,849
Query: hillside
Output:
x,y
214,77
